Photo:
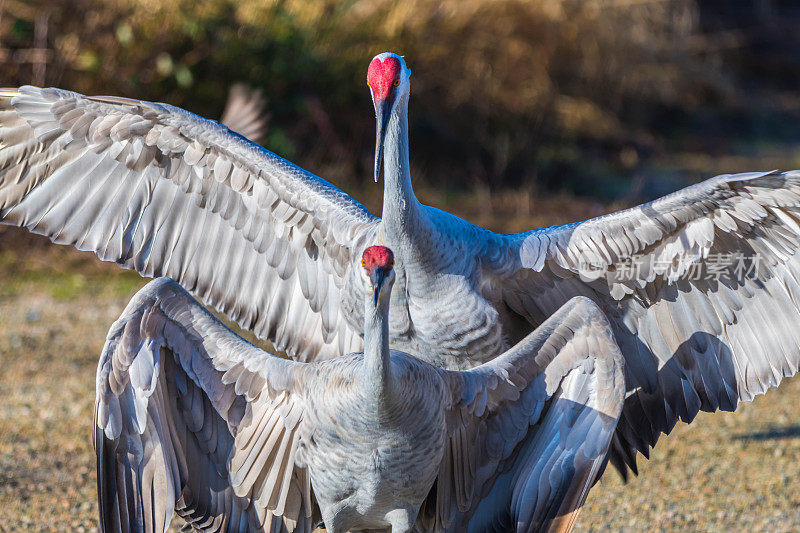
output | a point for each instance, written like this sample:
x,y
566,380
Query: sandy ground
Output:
x,y
725,471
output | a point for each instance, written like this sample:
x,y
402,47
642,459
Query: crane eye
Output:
x,y
396,83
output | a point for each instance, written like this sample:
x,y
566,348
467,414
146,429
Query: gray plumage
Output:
x,y
190,417
162,191
697,331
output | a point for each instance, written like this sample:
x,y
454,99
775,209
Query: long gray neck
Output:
x,y
403,215
376,348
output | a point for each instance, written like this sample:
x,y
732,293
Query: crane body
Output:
x,y
193,420
162,191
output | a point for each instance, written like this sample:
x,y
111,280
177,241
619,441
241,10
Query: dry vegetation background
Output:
x,y
523,113
549,95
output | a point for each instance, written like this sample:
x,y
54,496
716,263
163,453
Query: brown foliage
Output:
x,y
505,92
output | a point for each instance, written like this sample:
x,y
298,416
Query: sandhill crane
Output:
x,y
191,417
167,193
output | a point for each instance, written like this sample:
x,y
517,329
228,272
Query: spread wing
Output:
x,y
191,418
529,431
244,113
701,289
160,190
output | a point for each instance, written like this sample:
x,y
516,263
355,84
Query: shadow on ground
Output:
x,y
772,433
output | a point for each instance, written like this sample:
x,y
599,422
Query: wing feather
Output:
x,y
192,419
700,287
530,429
162,191
244,112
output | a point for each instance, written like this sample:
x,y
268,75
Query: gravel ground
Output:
x,y
725,471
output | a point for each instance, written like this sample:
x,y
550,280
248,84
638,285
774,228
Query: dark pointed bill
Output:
x,y
383,110
377,277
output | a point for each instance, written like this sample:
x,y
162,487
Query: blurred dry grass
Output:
x,y
557,95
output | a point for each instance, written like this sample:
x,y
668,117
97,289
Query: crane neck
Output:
x,y
402,212
376,347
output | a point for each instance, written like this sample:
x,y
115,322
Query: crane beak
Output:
x,y
377,277
383,108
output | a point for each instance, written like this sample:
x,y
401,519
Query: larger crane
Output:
x,y
192,419
162,191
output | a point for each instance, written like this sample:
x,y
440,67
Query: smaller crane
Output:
x,y
190,418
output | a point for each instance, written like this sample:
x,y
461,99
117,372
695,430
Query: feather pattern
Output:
x,y
272,246
529,430
186,416
700,287
191,419
162,191
244,114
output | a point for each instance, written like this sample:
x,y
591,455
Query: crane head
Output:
x,y
378,261
387,77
